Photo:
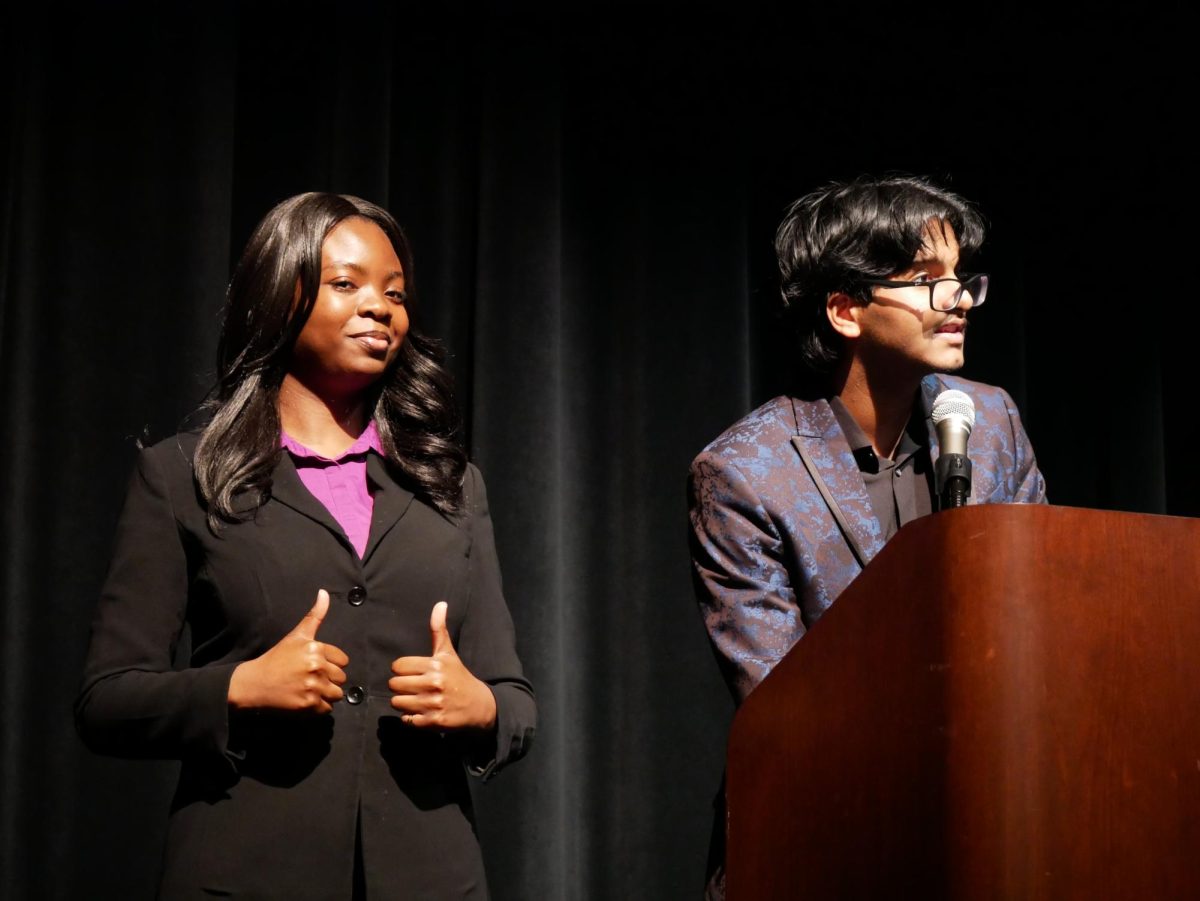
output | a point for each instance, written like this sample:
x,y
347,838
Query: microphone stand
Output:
x,y
953,476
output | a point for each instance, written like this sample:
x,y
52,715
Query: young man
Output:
x,y
791,502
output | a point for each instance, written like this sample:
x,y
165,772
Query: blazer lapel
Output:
x,y
287,488
820,441
391,502
931,387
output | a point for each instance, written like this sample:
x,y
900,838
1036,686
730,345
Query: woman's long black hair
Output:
x,y
411,404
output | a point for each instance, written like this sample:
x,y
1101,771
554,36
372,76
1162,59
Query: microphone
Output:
x,y
953,417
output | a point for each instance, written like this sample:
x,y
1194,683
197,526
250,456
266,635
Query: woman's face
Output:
x,y
358,321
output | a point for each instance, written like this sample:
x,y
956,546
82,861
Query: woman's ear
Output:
x,y
843,312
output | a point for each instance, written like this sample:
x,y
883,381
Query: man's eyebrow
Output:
x,y
924,258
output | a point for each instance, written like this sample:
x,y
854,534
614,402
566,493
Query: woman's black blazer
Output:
x,y
269,804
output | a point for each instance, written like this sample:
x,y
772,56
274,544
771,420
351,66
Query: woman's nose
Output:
x,y
372,303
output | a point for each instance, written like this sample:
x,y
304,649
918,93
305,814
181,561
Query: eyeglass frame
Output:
x,y
932,283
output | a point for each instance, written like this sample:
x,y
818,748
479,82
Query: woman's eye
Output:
x,y
397,296
343,284
920,278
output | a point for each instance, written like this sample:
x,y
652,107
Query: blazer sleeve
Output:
x,y
487,645
740,575
133,703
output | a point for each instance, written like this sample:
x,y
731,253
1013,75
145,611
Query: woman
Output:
x,y
329,549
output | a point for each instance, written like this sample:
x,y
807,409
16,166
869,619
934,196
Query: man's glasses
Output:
x,y
945,294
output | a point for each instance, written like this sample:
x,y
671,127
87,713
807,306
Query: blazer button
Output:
x,y
356,596
355,694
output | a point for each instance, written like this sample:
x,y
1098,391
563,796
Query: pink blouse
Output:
x,y
341,484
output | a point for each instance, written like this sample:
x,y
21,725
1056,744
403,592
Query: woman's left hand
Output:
x,y
439,692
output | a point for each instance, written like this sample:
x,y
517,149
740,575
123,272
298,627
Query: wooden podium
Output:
x,y
1005,704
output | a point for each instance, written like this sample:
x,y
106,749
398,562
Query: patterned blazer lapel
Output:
x,y
826,454
931,387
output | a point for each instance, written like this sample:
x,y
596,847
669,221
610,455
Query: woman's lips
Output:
x,y
376,342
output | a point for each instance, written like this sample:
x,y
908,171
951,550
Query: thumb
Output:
x,y
437,629
307,628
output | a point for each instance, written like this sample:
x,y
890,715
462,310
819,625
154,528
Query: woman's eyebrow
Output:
x,y
344,264
361,270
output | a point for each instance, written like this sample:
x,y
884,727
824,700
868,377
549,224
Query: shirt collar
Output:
x,y
367,441
860,445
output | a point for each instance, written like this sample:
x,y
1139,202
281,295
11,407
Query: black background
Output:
x,y
591,192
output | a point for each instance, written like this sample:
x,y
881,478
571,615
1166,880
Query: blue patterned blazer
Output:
x,y
768,552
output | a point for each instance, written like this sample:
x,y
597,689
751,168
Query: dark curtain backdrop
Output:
x,y
591,198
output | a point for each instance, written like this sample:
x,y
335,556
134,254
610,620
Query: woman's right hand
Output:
x,y
298,673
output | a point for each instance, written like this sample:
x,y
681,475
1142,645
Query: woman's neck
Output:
x,y
327,425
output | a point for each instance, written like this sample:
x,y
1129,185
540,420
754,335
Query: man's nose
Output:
x,y
966,299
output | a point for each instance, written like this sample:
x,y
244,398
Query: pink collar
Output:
x,y
367,441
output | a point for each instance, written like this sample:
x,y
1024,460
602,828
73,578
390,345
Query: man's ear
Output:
x,y
843,312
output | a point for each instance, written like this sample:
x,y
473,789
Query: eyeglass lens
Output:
x,y
949,294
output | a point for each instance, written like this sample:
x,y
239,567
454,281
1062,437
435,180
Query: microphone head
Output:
x,y
957,404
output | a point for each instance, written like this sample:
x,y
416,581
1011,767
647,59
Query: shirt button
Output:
x,y
356,596
355,694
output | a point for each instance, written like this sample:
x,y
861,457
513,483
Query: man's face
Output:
x,y
899,333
